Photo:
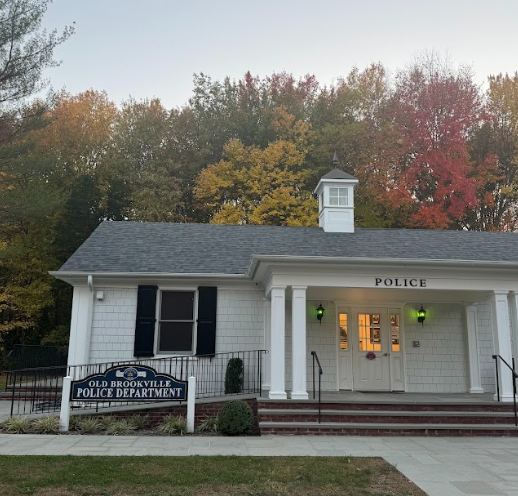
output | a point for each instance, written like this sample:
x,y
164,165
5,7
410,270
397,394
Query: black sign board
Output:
x,y
129,383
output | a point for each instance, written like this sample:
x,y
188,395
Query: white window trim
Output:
x,y
165,354
338,196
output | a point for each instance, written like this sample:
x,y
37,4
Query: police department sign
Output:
x,y
129,383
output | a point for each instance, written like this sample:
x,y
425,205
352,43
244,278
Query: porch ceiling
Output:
x,y
390,295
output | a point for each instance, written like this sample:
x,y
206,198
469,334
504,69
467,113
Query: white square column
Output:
x,y
513,307
81,326
277,344
474,366
298,342
502,342
267,345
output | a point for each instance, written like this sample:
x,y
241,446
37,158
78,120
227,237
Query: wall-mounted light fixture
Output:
x,y
320,313
421,315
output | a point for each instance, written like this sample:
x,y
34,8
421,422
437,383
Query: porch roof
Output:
x,y
136,247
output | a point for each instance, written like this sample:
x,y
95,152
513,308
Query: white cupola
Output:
x,y
335,192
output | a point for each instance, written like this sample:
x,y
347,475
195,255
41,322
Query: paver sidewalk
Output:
x,y
440,466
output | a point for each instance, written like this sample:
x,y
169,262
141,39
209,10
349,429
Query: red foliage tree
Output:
x,y
434,109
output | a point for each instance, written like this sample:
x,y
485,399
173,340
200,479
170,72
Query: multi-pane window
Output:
x,y
343,332
369,328
338,196
394,331
176,323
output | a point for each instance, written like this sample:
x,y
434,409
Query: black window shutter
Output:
x,y
146,318
207,305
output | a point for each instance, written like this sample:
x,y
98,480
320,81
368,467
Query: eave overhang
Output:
x,y
259,264
80,277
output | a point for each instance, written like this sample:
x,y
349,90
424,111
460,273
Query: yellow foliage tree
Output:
x,y
262,186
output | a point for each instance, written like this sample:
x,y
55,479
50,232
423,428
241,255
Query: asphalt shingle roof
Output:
x,y
338,174
222,249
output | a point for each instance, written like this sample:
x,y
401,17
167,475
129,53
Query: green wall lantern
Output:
x,y
421,315
320,313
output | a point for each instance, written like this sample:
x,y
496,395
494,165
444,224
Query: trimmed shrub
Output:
x,y
16,425
173,425
234,376
46,425
120,428
208,424
236,418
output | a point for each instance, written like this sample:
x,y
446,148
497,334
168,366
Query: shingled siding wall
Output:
x,y
113,325
239,323
320,338
239,318
440,363
485,346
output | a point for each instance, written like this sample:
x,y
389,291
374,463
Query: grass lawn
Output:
x,y
199,475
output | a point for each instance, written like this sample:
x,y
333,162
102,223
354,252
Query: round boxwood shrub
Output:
x,y
235,418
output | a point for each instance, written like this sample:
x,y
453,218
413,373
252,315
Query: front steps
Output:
x,y
386,418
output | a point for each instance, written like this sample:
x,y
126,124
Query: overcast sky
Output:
x,y
151,48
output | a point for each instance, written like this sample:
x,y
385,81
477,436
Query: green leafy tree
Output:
x,y
144,153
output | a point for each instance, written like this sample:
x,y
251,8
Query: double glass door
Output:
x,y
370,350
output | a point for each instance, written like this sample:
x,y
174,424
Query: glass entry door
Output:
x,y
345,372
371,349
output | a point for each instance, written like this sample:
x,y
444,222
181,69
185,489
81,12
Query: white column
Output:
x,y
502,342
298,343
513,306
81,326
277,344
267,344
474,366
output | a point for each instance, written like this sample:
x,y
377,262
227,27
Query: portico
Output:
x,y
373,330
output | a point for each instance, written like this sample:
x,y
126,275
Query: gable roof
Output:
x,y
170,248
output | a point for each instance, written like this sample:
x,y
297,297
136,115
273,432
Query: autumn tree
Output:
x,y
261,186
434,110
25,51
494,149
27,198
144,151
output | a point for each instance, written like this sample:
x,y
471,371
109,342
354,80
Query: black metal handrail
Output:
x,y
25,356
38,390
320,372
515,376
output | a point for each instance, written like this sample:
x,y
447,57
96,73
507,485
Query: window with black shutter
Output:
x,y
146,321
176,324
207,307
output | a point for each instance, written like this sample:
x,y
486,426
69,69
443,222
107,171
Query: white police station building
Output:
x,y
357,297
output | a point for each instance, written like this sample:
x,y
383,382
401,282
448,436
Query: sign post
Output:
x,y
190,404
64,414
